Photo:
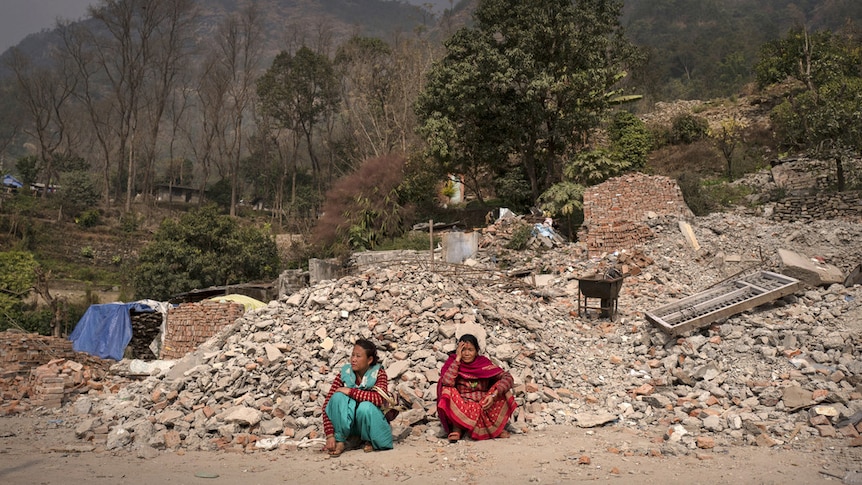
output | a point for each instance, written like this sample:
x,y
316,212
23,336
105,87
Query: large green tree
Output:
x,y
526,84
203,248
825,114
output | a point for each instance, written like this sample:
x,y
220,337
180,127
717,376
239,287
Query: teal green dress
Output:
x,y
353,418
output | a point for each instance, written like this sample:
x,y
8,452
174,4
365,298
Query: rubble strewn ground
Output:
x,y
781,376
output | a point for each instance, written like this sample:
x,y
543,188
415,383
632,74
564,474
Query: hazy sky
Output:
x,y
19,18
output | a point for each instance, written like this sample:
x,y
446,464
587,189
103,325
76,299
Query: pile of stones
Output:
x,y
787,371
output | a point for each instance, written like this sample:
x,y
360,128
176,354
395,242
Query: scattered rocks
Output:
x,y
780,374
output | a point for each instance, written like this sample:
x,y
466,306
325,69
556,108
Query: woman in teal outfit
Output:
x,y
352,406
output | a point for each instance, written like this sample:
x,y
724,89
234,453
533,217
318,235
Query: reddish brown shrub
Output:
x,y
367,196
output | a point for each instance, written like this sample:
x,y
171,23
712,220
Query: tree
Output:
x,y
300,91
826,114
463,115
125,61
379,82
45,94
727,137
528,83
203,248
631,141
17,275
78,191
365,207
239,51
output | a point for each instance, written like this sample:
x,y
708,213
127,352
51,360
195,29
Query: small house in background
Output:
x,y
39,188
177,193
10,183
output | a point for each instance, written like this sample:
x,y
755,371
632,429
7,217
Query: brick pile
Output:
x,y
191,324
46,387
614,211
843,205
52,384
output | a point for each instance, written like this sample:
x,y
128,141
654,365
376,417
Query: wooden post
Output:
x,y
431,238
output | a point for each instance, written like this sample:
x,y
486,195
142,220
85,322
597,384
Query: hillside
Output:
x,y
695,49
285,22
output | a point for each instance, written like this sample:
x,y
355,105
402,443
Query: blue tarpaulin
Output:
x,y
105,330
9,180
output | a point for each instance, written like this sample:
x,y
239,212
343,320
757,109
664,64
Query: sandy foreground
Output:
x,y
43,450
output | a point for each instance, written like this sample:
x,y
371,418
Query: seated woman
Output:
x,y
352,406
473,394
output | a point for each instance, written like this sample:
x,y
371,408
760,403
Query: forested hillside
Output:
x,y
700,49
347,122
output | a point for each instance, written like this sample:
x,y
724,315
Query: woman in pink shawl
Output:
x,y
473,394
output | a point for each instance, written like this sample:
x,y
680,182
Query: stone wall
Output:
x,y
843,205
807,176
615,211
191,324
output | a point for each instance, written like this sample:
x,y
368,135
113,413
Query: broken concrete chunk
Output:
x,y
327,344
243,415
796,397
808,271
587,420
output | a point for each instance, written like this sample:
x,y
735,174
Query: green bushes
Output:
x,y
706,196
520,237
688,128
203,248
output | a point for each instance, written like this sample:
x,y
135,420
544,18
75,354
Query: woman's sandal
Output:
x,y
339,449
367,447
454,436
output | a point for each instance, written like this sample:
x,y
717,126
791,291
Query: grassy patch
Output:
x,y
414,240
69,270
724,194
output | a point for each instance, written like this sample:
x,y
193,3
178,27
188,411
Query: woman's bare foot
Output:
x,y
338,450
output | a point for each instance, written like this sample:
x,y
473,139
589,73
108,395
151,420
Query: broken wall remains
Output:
x,y
614,211
20,352
191,324
825,206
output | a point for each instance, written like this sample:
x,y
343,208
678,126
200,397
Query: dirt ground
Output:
x,y
43,450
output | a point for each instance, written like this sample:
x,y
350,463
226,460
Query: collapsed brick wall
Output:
x,y
844,205
45,369
20,352
191,324
614,211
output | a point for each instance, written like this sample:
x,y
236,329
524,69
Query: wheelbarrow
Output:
x,y
602,287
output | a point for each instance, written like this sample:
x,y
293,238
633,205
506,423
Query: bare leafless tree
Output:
x,y
126,64
239,44
168,52
45,92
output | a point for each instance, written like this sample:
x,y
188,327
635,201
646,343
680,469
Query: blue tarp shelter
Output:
x,y
9,180
105,330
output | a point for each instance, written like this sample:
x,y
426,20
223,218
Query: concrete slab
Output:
x,y
808,271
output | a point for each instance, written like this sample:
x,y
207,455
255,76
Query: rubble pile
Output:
x,y
787,371
537,232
